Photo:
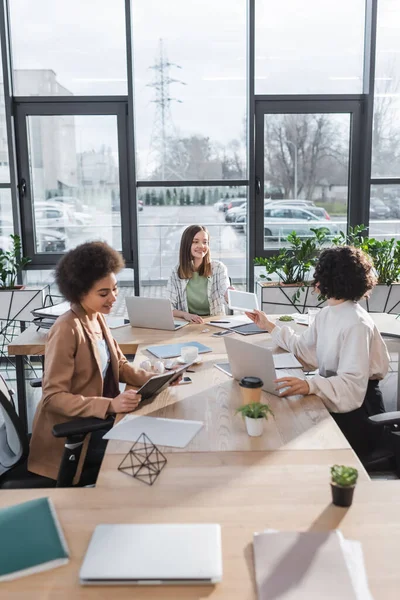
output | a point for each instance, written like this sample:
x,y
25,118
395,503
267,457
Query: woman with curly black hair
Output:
x,y
84,364
342,342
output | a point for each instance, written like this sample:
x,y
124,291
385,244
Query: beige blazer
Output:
x,y
73,384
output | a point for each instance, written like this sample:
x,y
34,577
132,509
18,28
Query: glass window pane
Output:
x,y
75,180
384,211
190,89
166,212
306,163
6,219
4,166
309,47
68,48
386,129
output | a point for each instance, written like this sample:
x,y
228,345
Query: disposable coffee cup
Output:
x,y
189,353
251,389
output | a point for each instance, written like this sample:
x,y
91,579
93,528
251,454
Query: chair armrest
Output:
x,y
82,426
388,418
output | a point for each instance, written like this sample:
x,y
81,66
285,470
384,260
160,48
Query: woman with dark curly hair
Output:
x,y
83,362
343,343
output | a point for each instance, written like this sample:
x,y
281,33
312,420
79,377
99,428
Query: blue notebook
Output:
x,y
31,539
173,350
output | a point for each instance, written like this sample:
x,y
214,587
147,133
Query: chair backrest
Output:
x,y
14,444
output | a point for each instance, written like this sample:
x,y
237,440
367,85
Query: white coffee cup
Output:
x,y
189,353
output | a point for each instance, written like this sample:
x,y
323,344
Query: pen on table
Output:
x,y
190,371
219,321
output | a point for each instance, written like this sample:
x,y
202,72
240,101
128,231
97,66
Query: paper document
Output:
x,y
286,360
163,432
301,566
354,559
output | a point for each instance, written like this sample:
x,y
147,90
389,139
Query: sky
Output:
x,y
302,46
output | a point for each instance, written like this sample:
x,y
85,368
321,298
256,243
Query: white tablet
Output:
x,y
242,300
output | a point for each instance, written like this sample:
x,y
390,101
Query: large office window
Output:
x,y
386,126
309,47
68,48
164,213
190,89
385,196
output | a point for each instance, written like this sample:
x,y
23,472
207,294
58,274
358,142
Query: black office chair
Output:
x,y
387,456
14,449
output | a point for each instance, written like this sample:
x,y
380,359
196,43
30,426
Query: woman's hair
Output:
x,y
344,273
186,270
80,268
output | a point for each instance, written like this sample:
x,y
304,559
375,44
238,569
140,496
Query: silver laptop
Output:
x,y
166,554
152,313
250,360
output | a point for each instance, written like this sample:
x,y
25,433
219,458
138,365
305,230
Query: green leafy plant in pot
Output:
x,y
293,263
12,263
385,253
343,482
254,415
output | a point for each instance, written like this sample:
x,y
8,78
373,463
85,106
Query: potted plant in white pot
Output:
x,y
292,267
343,482
254,415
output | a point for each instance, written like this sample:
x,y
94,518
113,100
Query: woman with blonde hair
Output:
x,y
198,285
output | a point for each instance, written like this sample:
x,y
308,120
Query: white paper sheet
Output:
x,y
163,432
354,558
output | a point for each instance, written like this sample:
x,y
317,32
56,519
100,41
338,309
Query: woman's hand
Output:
x,y
192,318
292,385
260,318
125,402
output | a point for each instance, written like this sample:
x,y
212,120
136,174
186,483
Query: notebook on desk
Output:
x,y
31,539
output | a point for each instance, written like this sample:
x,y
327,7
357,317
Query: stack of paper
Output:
x,y
309,566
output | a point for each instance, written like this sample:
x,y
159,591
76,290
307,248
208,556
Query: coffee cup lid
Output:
x,y
251,382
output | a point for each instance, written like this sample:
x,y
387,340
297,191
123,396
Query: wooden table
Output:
x,y
242,503
300,422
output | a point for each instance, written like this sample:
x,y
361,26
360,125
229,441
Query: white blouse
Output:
x,y
345,345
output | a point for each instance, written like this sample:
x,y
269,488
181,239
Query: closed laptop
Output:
x,y
153,554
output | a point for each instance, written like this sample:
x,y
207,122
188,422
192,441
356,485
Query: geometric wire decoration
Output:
x,y
144,463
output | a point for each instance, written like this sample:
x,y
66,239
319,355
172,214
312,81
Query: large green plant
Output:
x,y
293,263
11,263
385,254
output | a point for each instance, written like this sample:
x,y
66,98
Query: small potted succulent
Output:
x,y
343,482
254,415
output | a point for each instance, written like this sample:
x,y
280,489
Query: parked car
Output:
x,y
293,202
318,211
233,203
58,216
232,213
378,209
81,212
393,204
280,221
47,240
